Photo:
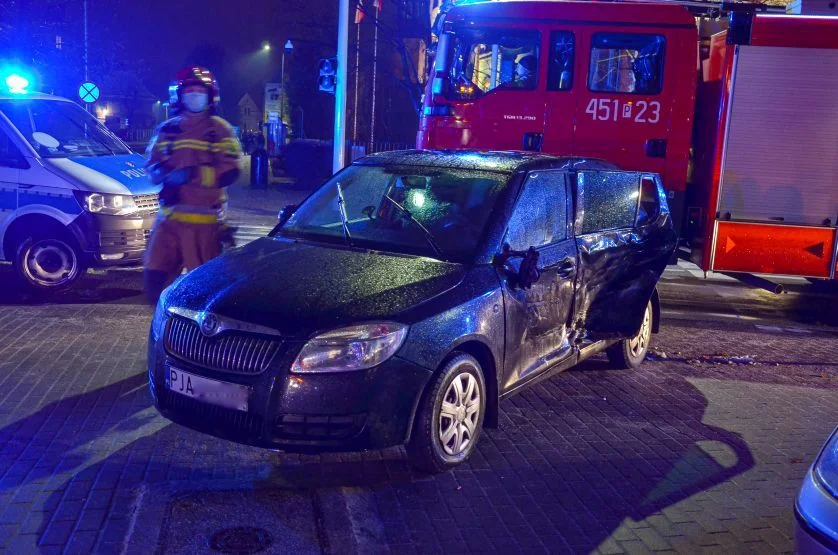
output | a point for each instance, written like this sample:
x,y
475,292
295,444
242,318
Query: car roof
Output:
x,y
498,161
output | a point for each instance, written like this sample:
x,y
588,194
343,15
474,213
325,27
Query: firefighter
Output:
x,y
525,72
195,156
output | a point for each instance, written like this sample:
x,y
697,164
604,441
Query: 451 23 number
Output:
x,y
604,109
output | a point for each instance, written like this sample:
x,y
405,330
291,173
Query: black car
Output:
x,y
408,295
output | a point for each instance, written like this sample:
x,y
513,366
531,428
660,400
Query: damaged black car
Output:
x,y
407,296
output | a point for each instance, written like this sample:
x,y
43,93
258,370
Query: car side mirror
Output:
x,y
368,211
527,273
286,213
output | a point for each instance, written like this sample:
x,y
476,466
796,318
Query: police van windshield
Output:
x,y
60,129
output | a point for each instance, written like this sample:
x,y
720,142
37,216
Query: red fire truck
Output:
x,y
757,120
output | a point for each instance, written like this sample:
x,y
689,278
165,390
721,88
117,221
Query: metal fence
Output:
x,y
136,135
359,150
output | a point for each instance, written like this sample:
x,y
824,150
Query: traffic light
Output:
x,y
328,75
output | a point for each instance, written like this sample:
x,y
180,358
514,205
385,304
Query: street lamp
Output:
x,y
287,50
266,46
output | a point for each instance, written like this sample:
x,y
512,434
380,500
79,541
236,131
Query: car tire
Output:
x,y
450,416
48,263
630,353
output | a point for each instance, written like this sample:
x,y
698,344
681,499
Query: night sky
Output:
x,y
227,36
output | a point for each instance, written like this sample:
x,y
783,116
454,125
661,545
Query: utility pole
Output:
x,y
374,77
339,152
86,76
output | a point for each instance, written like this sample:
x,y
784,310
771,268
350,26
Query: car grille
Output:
x,y
231,423
128,239
310,427
228,352
147,204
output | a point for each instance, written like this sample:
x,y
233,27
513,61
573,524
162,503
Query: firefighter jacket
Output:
x,y
207,148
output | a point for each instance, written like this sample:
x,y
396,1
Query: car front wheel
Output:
x,y
450,416
629,353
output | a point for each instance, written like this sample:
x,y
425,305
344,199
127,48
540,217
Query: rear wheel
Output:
x,y
48,262
450,416
629,353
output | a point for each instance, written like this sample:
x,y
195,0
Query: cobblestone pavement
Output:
x,y
690,452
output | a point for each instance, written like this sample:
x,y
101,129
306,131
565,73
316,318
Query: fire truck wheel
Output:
x,y
629,353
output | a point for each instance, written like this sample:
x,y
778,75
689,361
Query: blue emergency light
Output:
x,y
17,84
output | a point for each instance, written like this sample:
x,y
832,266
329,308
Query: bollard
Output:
x,y
259,168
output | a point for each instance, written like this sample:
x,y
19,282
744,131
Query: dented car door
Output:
x,y
625,237
538,318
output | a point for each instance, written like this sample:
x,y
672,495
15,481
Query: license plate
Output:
x,y
223,394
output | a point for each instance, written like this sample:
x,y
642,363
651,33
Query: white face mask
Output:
x,y
195,101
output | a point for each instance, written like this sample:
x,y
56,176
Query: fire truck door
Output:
x,y
625,102
504,69
562,83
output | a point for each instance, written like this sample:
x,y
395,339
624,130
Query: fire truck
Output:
x,y
742,127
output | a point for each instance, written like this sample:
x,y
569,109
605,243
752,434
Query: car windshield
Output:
x,y
438,212
59,129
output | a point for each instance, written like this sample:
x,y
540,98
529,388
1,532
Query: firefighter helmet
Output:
x,y
190,76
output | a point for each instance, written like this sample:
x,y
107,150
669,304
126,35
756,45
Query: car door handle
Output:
x,y
566,269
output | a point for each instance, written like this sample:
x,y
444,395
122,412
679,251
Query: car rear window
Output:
x,y
649,207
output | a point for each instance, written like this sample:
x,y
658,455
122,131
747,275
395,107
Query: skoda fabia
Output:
x,y
407,296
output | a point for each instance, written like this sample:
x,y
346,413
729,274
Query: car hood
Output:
x,y
120,174
299,288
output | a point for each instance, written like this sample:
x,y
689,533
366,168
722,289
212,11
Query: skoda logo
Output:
x,y
209,324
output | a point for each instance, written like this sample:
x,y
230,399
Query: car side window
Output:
x,y
606,200
10,155
649,206
540,215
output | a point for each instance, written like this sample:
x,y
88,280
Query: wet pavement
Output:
x,y
700,449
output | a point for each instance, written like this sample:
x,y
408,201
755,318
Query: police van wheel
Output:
x,y
48,263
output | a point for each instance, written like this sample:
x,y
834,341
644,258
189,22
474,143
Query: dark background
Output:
x,y
138,45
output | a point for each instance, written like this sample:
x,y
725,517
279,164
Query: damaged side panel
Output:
x,y
619,268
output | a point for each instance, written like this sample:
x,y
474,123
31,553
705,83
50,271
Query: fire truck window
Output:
x,y
649,206
560,72
626,63
607,200
488,60
540,216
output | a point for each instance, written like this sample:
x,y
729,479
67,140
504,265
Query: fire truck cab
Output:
x,y
619,81
608,80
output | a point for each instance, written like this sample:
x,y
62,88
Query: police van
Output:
x,y
72,195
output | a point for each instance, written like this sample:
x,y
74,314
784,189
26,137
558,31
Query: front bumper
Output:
x,y
816,519
350,411
112,240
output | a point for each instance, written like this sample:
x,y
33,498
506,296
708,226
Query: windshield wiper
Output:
x,y
428,237
342,210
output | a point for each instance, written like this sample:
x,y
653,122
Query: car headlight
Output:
x,y
113,205
826,467
351,348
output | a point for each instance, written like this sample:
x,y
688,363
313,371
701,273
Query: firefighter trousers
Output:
x,y
175,246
